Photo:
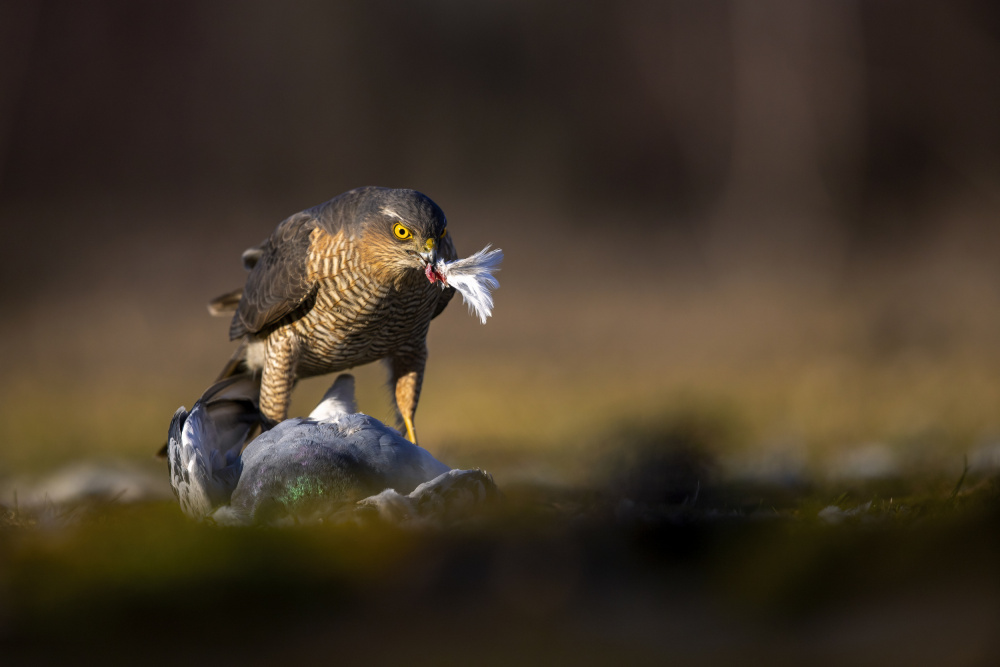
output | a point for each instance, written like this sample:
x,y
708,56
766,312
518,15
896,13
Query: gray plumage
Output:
x,y
331,464
308,467
203,446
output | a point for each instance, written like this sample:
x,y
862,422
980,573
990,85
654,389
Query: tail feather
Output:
x,y
237,364
221,306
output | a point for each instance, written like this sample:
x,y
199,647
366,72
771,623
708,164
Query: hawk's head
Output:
x,y
403,234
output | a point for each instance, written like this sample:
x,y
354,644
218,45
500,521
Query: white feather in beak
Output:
x,y
474,280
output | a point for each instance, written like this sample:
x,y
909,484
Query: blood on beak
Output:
x,y
433,275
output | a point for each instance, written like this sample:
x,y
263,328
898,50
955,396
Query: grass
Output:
x,y
711,469
564,574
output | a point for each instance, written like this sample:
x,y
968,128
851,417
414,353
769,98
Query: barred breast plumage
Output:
x,y
340,285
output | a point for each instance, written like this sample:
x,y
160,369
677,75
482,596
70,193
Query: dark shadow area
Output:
x,y
550,575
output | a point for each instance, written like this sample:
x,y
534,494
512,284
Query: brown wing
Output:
x,y
278,283
447,252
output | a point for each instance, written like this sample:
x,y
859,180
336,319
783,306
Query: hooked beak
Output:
x,y
430,258
430,252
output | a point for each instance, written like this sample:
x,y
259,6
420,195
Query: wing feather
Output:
x,y
279,281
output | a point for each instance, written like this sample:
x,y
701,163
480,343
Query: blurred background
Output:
x,y
750,289
772,224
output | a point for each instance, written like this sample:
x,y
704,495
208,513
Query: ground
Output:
x,y
552,575
697,463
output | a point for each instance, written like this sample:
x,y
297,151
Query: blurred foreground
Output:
x,y
551,576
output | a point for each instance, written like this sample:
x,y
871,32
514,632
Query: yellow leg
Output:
x,y
411,433
407,375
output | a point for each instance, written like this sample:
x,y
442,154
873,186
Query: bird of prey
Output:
x,y
335,463
345,283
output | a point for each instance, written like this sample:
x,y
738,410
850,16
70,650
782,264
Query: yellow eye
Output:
x,y
444,233
401,232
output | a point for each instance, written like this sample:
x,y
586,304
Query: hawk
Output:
x,y
345,283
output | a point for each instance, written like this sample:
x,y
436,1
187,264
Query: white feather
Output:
x,y
474,280
338,400
389,211
255,354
